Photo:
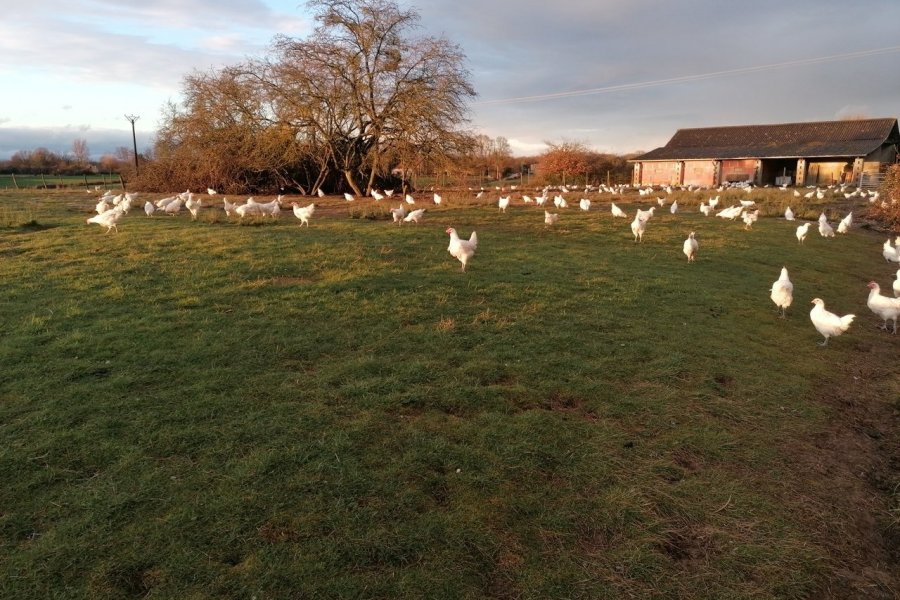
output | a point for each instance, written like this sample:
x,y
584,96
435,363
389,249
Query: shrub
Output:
x,y
887,209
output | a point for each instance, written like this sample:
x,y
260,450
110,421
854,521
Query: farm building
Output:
x,y
820,153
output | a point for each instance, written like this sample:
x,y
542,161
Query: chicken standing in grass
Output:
x,y
690,247
828,323
637,227
846,222
304,213
550,218
890,252
462,250
617,212
782,292
885,307
108,219
149,208
414,216
802,231
502,203
788,214
398,213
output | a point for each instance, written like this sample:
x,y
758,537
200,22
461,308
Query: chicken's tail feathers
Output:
x,y
474,239
846,320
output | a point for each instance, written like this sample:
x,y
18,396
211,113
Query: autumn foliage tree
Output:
x,y
337,108
564,159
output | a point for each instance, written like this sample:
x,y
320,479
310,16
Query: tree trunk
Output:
x,y
348,175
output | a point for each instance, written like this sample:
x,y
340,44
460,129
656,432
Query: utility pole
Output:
x,y
134,118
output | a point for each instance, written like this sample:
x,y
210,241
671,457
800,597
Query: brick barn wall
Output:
x,y
699,172
738,170
657,173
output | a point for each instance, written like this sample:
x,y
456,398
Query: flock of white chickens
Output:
x,y
111,208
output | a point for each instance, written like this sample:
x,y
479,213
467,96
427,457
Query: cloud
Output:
x,y
59,139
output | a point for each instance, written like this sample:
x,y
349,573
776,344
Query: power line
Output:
x,y
689,78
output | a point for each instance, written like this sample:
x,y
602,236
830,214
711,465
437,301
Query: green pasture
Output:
x,y
10,182
215,409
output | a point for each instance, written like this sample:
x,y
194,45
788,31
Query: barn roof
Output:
x,y
786,140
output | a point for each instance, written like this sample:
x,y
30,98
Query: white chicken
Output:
x,y
690,247
320,193
890,252
788,214
211,191
304,213
897,285
584,204
617,212
437,199
108,219
410,199
502,203
828,323
229,207
550,218
349,197
250,208
173,207
674,208
802,231
414,216
162,202
102,207
398,213
713,202
149,208
885,307
705,209
194,207
388,193
782,292
637,228
846,222
732,212
826,230
750,218
462,250
378,196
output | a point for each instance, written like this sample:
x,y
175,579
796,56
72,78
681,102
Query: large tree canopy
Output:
x,y
357,96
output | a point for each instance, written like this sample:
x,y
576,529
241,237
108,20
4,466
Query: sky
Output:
x,y
616,75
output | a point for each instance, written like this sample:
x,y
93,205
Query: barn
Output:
x,y
815,153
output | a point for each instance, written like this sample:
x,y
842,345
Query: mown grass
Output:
x,y
207,410
9,181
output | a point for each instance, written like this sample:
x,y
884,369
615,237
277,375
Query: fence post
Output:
x,y
43,181
14,180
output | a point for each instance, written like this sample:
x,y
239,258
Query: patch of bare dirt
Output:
x,y
847,477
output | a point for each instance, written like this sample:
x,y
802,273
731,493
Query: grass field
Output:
x,y
9,182
220,410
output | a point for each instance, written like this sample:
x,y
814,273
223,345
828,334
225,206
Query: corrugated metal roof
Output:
x,y
786,140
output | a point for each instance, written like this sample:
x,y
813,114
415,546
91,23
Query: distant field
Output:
x,y
212,409
54,181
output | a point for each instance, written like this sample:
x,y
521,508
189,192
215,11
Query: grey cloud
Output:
x,y
526,47
59,139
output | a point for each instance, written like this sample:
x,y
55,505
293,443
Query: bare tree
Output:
x,y
80,153
366,86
